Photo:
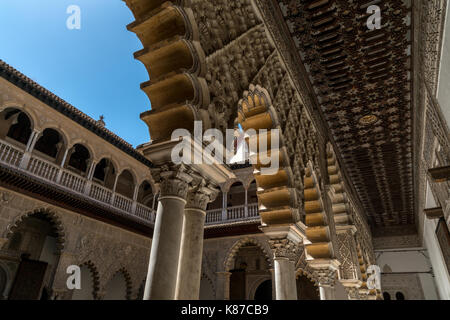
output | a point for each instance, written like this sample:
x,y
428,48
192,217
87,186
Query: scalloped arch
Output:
x,y
128,281
54,219
231,254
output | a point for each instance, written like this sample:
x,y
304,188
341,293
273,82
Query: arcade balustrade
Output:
x,y
37,167
53,174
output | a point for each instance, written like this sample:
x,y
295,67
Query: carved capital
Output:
x,y
325,276
353,293
174,181
199,197
285,248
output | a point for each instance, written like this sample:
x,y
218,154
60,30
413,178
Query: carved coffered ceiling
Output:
x,y
361,78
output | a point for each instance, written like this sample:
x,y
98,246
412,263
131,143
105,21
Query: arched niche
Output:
x,y
236,195
117,287
125,184
50,145
399,296
105,173
252,196
306,288
145,194
38,239
79,159
217,203
264,291
87,291
250,264
15,126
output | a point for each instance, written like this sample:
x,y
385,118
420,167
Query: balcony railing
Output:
x,y
74,183
53,174
232,214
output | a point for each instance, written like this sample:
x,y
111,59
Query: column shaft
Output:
x,y
190,265
285,283
327,292
164,256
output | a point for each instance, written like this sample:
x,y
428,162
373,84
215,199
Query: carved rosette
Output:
x,y
285,248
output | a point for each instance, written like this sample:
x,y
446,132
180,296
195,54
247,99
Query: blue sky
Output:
x,y
92,68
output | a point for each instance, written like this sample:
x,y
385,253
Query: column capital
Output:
x,y
285,248
325,271
199,197
174,181
326,277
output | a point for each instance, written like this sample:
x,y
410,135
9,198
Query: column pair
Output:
x,y
166,241
175,260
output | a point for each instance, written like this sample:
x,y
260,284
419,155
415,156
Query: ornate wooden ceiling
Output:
x,y
361,78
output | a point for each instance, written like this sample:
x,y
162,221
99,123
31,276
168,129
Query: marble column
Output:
x,y
165,251
326,292
190,263
285,254
285,286
34,137
272,275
